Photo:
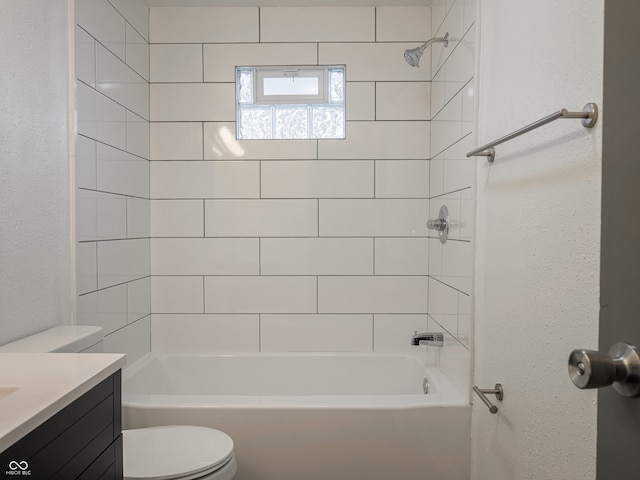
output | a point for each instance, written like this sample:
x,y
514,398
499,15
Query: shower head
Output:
x,y
412,56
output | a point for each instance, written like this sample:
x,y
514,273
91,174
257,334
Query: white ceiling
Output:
x,y
283,3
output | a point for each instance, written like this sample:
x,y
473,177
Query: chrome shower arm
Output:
x,y
444,40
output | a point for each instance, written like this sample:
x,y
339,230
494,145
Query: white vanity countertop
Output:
x,y
46,383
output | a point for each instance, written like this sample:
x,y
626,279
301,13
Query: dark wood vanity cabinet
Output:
x,y
82,441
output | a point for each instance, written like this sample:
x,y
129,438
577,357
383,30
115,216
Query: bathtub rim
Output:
x,y
447,395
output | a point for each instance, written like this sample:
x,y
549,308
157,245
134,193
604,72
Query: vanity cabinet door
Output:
x,y
81,441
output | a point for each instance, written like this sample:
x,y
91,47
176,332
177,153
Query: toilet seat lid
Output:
x,y
174,451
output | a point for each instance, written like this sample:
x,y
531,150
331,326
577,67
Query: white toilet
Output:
x,y
172,452
178,452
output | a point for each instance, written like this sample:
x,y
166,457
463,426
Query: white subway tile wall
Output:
x,y
351,333
403,101
316,256
205,333
317,179
317,24
204,25
106,308
360,101
137,135
176,141
177,218
379,294
402,24
204,256
183,102
176,63
221,60
112,172
261,294
134,340
294,245
197,179
451,182
177,294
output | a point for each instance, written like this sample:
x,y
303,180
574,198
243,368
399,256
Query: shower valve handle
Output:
x,y
439,224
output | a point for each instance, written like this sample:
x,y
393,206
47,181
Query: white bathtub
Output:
x,y
311,416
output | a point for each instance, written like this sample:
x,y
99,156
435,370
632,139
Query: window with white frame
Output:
x,y
290,102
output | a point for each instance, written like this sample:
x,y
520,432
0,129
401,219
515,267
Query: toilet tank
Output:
x,y
61,339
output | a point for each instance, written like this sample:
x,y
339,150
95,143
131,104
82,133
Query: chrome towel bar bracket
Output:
x,y
588,115
483,392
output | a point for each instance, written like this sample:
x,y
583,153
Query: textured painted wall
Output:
x,y
538,236
35,278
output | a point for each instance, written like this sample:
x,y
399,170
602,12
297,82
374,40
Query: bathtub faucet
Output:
x,y
434,339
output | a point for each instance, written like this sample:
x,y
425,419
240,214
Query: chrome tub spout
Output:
x,y
433,339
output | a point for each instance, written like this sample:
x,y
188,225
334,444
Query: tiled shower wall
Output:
x,y
307,244
451,181
112,171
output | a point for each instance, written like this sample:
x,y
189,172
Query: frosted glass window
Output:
x,y
290,102
328,122
245,87
336,86
292,122
255,123
290,86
